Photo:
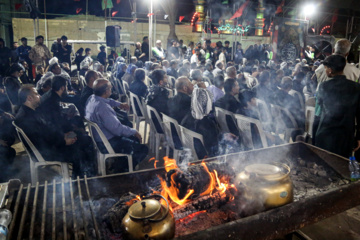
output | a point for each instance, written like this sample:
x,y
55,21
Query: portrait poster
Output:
x,y
288,39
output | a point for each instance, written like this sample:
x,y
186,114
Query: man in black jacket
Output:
x,y
338,105
145,49
52,144
180,104
228,101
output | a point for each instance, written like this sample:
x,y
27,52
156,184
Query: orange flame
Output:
x,y
172,192
155,161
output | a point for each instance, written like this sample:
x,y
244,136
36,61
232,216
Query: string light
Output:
x,y
193,18
324,30
229,28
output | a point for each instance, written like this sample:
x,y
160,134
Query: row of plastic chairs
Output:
x,y
37,160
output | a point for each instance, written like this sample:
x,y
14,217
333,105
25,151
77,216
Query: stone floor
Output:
x,y
344,226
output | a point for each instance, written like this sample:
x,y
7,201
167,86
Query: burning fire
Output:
x,y
216,184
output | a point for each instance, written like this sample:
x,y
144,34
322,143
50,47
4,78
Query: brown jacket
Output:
x,y
38,53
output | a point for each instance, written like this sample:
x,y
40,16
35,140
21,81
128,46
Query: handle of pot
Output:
x,y
167,208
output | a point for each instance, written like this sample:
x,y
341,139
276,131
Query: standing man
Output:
x,y
228,51
39,54
239,54
14,55
55,47
158,51
65,51
339,101
23,53
145,50
101,57
138,53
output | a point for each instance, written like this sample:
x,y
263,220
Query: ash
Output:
x,y
312,178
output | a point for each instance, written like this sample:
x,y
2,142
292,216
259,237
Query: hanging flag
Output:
x,y
114,13
78,10
335,16
118,1
108,4
150,14
240,11
166,16
280,7
17,6
181,18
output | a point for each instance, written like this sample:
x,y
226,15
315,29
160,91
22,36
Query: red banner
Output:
x,y
240,11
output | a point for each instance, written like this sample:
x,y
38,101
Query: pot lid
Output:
x,y
263,169
144,209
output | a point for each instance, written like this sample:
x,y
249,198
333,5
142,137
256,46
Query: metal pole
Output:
x,y
87,7
37,19
34,31
46,33
135,23
154,39
150,28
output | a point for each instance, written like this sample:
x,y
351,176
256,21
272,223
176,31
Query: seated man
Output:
x,y
87,91
52,144
172,70
180,104
217,88
158,95
228,101
123,139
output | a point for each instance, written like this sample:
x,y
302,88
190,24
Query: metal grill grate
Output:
x,y
53,211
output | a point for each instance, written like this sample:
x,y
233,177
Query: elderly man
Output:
x,y
342,48
218,69
158,51
180,104
39,54
53,70
123,139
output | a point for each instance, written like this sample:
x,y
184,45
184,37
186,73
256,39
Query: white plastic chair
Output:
x,y
137,119
188,139
13,106
221,119
310,102
168,122
264,114
158,134
244,124
102,157
36,159
297,95
309,120
278,114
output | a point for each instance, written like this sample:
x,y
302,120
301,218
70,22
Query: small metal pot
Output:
x,y
149,219
269,183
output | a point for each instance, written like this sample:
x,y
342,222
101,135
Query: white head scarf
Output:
x,y
201,103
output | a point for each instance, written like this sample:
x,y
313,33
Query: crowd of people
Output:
x,y
50,102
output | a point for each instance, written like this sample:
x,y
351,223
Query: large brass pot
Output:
x,y
267,183
149,219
